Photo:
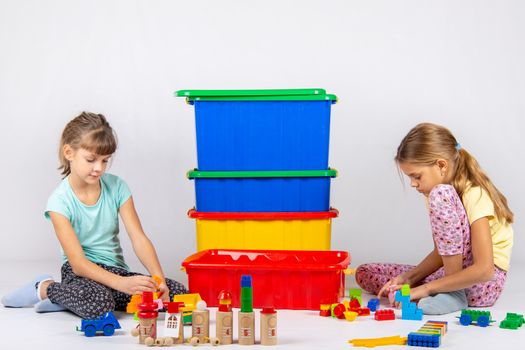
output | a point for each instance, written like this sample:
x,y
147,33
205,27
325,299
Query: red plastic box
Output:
x,y
281,278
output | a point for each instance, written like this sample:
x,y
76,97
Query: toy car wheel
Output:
x,y
90,331
465,320
483,321
108,330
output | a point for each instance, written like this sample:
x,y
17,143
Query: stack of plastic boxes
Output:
x,y
262,181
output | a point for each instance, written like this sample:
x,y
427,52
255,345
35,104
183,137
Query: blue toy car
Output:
x,y
106,325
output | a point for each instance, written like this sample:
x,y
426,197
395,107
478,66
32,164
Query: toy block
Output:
x,y
416,316
405,290
325,310
372,342
354,303
350,315
443,324
512,321
384,315
424,340
355,293
339,311
373,304
363,311
332,307
482,318
401,298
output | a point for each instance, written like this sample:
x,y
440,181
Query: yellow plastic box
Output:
x,y
275,230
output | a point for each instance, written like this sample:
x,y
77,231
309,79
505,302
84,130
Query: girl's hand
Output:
x,y
419,292
135,284
392,285
164,291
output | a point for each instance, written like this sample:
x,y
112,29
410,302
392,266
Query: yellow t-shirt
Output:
x,y
478,204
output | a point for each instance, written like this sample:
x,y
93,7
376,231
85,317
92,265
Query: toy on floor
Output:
x,y
409,310
429,335
190,303
106,324
246,316
373,304
372,342
200,322
224,318
268,321
356,293
173,322
147,314
384,315
512,321
481,318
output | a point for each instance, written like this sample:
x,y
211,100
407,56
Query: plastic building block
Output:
x,y
405,290
325,310
339,311
190,303
350,315
372,342
481,318
354,303
425,340
512,321
429,335
355,293
384,315
373,304
106,325
409,310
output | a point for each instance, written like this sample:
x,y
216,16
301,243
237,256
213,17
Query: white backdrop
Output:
x,y
392,64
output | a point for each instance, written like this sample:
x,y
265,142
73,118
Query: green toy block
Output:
x,y
405,290
512,321
355,293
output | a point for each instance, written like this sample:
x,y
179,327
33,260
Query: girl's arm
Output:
x,y
85,268
481,270
141,244
428,265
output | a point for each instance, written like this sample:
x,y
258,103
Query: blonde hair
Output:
x,y
89,131
426,143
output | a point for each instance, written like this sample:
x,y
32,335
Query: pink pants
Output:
x,y
372,277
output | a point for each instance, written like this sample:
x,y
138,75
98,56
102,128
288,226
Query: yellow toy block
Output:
x,y
373,342
350,315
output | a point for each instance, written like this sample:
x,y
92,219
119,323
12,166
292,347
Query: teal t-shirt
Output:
x,y
96,226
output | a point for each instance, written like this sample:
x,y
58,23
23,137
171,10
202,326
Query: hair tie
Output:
x,y
458,146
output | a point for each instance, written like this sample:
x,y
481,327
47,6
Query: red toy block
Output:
x,y
385,315
339,311
361,311
354,304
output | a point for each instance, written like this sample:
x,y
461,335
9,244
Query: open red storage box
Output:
x,y
283,279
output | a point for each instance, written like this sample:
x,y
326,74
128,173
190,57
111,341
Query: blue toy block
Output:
x,y
425,340
373,304
415,316
409,310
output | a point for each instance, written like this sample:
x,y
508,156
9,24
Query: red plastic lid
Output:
x,y
333,213
268,310
268,260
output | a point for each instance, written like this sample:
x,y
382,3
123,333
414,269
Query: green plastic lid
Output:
x,y
196,174
257,95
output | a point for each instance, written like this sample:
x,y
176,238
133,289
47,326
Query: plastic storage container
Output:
x,y
259,191
281,278
278,230
261,129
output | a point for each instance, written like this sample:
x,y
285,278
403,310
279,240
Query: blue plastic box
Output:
x,y
261,129
264,191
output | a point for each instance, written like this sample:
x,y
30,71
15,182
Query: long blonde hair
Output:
x,y
427,142
89,131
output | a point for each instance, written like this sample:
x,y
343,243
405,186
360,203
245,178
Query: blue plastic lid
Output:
x,y
246,281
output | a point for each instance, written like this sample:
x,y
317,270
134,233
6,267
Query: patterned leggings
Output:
x,y
89,299
372,277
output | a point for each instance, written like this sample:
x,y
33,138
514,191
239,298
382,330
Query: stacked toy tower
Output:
x,y
263,181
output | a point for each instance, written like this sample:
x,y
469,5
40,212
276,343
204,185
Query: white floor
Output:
x,y
24,329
